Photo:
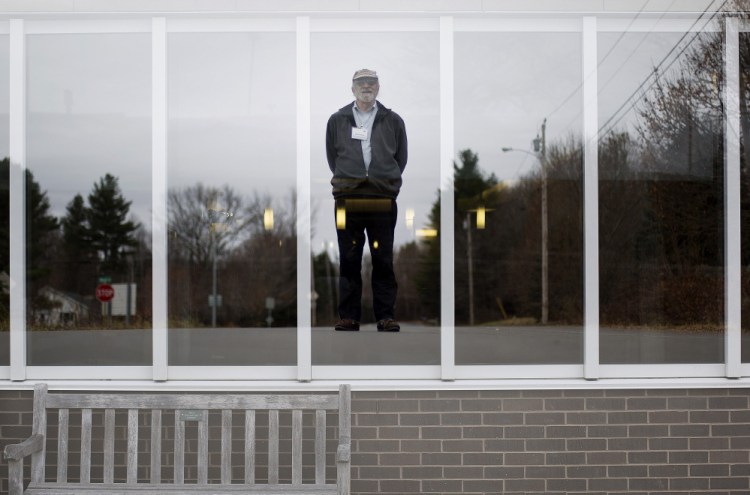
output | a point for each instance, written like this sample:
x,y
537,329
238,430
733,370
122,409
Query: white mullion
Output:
x,y
732,217
447,248
591,201
17,184
304,264
159,195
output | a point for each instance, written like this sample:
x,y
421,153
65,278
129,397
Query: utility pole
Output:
x,y
545,232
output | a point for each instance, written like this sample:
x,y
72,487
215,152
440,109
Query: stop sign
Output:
x,y
105,292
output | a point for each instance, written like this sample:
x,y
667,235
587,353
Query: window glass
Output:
x,y
231,199
745,191
88,199
5,200
661,190
518,198
408,68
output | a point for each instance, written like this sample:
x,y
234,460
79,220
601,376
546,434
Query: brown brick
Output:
x,y
484,459
440,405
523,405
566,431
545,445
422,472
398,432
463,419
484,432
420,446
378,445
648,430
586,471
566,484
504,445
648,484
689,430
566,458
463,472
688,457
524,432
689,403
709,417
399,459
482,486
524,458
545,472
400,486
525,486
691,483
668,471
379,472
585,444
627,471
627,417
668,443
418,419
400,405
605,404
608,458
709,443
481,405
441,459
737,483
609,484
668,417
469,445
709,470
502,418
608,431
729,456
544,418
739,403
376,419
433,486
646,403
564,404
731,430
504,472
647,457
441,432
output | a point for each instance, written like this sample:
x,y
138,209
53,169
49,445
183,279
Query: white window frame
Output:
x,y
506,376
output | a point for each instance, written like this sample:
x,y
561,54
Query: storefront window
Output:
x,y
88,199
4,201
407,64
518,198
231,199
661,173
744,42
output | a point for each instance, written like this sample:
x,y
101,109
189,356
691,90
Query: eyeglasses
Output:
x,y
371,81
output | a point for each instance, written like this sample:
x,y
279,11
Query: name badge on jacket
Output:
x,y
359,133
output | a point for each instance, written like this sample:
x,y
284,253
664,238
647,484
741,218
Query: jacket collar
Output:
x,y
349,112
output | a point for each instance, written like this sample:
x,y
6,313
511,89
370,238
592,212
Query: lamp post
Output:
x,y
540,148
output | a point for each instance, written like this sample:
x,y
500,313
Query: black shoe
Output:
x,y
347,325
388,325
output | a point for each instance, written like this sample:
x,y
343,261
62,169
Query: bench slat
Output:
x,y
203,401
296,447
179,449
38,459
249,447
203,448
320,447
226,446
62,445
150,489
109,445
273,447
86,446
156,446
132,446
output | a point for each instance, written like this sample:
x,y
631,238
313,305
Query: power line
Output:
x,y
655,72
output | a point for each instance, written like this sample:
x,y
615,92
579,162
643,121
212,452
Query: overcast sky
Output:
x,y
232,107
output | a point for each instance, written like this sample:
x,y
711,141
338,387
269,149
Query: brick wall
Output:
x,y
551,442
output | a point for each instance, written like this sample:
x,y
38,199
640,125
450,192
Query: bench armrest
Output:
x,y
18,451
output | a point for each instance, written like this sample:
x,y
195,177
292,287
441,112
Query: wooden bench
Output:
x,y
186,415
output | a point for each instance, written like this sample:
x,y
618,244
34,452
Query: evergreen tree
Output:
x,y
78,255
109,229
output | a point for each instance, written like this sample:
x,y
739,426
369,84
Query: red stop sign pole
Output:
x,y
104,292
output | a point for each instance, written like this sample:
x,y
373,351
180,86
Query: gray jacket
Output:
x,y
389,154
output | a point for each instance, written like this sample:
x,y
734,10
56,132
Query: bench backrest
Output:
x,y
168,415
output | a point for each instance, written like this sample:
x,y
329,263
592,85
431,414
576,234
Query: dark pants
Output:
x,y
377,219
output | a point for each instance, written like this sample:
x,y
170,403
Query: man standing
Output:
x,y
366,149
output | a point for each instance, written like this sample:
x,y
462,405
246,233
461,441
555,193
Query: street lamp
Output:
x,y
540,148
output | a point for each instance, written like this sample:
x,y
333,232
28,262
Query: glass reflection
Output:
x,y
661,172
4,200
232,173
88,199
745,188
408,68
518,200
